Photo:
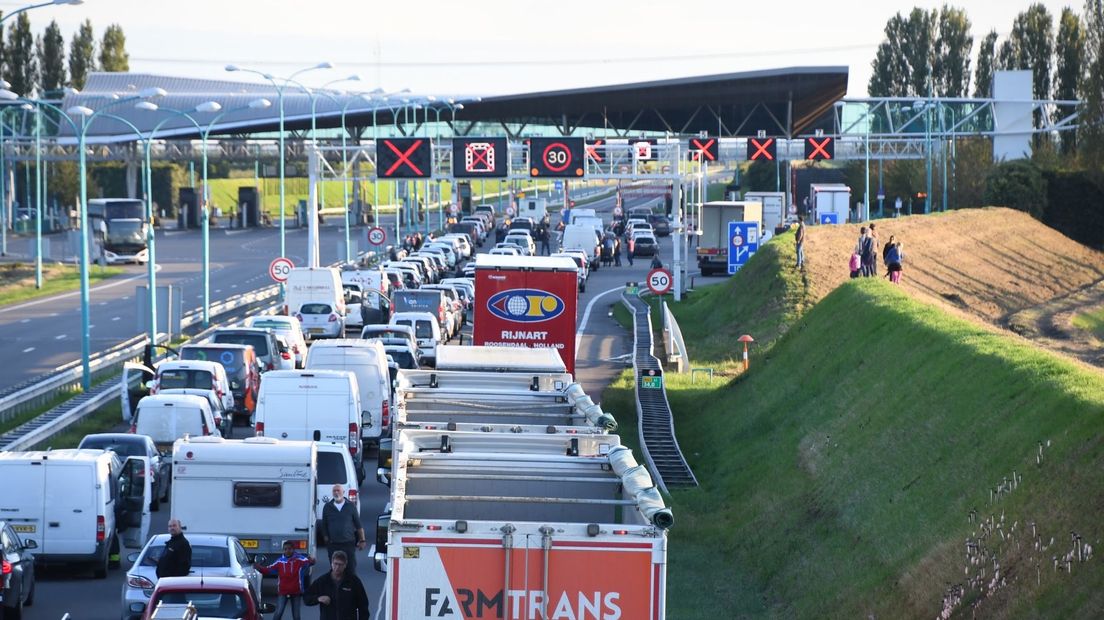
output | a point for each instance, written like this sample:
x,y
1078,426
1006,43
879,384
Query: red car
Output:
x,y
212,597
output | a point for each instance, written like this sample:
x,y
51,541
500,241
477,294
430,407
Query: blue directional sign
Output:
x,y
559,185
743,241
829,218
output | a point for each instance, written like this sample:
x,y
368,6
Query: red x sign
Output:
x,y
819,148
703,149
761,149
592,150
399,158
404,158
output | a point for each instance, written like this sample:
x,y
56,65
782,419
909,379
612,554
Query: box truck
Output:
x,y
526,301
524,526
774,208
713,242
832,200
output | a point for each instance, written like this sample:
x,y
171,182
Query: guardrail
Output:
x,y
34,393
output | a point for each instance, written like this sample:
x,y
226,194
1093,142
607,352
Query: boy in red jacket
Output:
x,y
291,569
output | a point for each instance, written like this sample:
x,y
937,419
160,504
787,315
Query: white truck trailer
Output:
x,y
713,239
831,200
527,526
774,209
260,489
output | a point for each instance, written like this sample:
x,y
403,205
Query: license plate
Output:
x,y
24,529
314,330
249,544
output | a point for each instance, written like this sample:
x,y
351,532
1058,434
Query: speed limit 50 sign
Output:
x,y
659,281
280,268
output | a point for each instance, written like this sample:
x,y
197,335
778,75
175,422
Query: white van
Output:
x,y
427,331
368,361
582,237
312,405
168,417
335,466
71,503
259,489
314,284
193,377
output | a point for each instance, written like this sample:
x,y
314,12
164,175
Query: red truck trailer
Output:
x,y
526,301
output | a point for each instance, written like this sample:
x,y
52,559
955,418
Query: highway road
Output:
x,y
602,347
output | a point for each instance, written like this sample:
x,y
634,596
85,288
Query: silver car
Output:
x,y
320,320
213,555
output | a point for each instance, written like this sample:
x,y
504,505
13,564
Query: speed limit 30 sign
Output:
x,y
659,281
279,269
377,235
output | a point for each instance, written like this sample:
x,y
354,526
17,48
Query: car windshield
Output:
x,y
122,448
331,468
233,360
276,326
203,556
315,309
184,378
207,604
259,341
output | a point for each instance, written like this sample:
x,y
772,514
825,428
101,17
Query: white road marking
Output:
x,y
59,337
25,321
126,298
586,314
53,314
115,318
28,349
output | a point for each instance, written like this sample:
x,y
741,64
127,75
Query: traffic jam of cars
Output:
x,y
249,432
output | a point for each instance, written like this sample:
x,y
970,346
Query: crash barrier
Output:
x,y
105,365
673,343
656,425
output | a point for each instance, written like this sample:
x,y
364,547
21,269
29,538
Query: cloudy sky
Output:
x,y
499,46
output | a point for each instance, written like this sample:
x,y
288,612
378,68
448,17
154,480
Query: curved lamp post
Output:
x,y
87,117
280,99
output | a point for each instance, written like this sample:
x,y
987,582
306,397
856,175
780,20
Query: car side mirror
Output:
x,y
260,559
30,544
132,557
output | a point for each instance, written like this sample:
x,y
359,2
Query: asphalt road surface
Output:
x,y
601,352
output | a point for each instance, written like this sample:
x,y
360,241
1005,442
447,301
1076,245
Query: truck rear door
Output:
x,y
133,388
544,578
70,507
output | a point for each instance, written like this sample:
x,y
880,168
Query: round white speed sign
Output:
x,y
280,268
659,281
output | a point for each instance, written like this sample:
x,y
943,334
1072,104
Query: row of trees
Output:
x,y
37,64
928,54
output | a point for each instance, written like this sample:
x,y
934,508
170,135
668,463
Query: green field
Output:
x,y
843,475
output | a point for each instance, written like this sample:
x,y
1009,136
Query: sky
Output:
x,y
489,47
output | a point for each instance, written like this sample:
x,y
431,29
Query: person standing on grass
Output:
x,y
799,239
872,267
885,252
895,257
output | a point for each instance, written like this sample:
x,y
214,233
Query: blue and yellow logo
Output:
x,y
524,305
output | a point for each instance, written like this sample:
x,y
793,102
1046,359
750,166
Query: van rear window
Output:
x,y
230,359
314,309
258,494
181,378
331,468
259,342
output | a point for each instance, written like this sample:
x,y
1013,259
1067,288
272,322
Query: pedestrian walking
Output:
x,y
176,559
863,248
629,254
545,249
895,257
291,570
339,593
616,252
875,246
799,239
341,528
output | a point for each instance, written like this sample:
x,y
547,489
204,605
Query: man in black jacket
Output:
x,y
339,594
176,559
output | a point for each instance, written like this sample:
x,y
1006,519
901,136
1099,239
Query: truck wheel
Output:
x,y
99,568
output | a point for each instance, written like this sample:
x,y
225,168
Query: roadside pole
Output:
x,y
312,207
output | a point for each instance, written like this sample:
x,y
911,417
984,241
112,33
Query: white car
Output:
x,y
427,331
320,320
505,249
522,238
213,555
285,326
462,240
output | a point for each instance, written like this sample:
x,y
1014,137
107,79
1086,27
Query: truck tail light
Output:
x,y
260,429
285,355
354,435
352,494
385,416
133,427
5,567
333,317
101,528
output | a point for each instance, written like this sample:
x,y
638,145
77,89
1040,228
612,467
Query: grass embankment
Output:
x,y
17,280
103,421
844,475
1092,322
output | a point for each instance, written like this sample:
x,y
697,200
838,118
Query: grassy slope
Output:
x,y
1091,322
838,475
56,279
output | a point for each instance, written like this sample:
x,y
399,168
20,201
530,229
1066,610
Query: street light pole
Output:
x,y
280,98
87,116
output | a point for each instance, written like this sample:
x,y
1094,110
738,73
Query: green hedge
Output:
x,y
1075,205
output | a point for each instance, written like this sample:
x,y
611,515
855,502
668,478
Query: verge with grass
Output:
x,y
17,280
1092,322
103,420
842,476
